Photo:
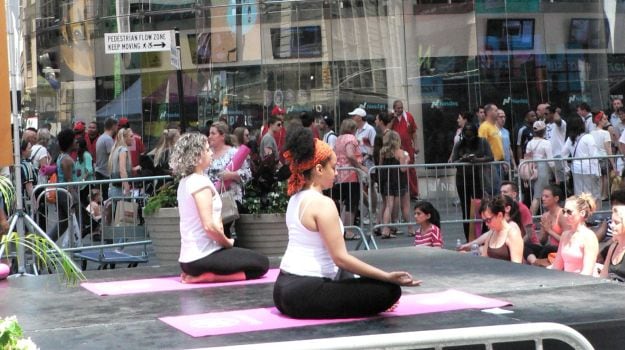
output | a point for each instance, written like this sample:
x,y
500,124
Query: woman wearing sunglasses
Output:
x,y
503,240
578,248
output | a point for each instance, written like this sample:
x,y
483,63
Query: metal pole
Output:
x,y
183,121
19,207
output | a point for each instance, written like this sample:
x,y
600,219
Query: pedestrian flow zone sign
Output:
x,y
137,41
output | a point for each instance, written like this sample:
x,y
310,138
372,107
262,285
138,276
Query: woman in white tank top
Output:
x,y
309,285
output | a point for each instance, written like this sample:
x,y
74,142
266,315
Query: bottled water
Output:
x,y
475,249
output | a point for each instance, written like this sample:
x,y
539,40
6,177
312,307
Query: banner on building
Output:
x,y
6,158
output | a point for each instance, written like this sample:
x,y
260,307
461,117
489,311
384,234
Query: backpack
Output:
x,y
528,170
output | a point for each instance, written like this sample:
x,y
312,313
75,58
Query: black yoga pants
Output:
x,y
316,297
229,261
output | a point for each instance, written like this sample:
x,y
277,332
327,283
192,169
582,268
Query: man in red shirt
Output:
x,y
280,135
92,137
136,148
405,125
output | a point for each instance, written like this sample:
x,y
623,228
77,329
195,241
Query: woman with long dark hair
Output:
x,y
309,284
474,151
503,240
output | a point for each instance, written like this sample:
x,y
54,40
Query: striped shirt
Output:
x,y
431,238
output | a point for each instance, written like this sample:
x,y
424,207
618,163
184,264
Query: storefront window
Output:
x,y
240,58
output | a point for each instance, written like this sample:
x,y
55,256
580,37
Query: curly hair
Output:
x,y
65,139
300,142
187,152
584,201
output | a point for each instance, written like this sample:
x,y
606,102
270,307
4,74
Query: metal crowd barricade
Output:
x,y
116,236
573,176
344,196
452,188
457,338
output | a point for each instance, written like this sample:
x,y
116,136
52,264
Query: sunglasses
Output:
x,y
488,220
567,211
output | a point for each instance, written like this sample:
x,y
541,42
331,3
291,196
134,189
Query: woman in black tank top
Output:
x,y
614,266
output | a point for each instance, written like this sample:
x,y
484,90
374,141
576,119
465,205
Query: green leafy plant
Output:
x,y
11,336
165,197
48,256
266,192
273,200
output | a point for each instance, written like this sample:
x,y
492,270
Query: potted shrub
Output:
x,y
263,227
11,336
163,223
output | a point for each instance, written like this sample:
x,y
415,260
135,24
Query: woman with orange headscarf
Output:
x,y
309,284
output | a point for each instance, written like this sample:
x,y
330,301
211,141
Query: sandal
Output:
x,y
352,237
388,236
377,232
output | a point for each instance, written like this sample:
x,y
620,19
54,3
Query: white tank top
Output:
x,y
306,254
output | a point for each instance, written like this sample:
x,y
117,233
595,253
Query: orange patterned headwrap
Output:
x,y
322,152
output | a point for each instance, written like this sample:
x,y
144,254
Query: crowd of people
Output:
x,y
212,160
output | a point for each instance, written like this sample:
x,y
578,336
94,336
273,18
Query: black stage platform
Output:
x,y
57,317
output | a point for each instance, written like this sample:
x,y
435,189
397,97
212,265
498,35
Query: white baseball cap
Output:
x,y
359,112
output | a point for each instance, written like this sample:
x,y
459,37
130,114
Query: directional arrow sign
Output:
x,y
137,41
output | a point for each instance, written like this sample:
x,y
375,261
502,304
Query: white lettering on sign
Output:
x,y
137,42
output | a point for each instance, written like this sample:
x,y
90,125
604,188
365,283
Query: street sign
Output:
x,y
137,41
174,54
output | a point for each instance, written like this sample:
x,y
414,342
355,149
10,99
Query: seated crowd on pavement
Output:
x,y
568,168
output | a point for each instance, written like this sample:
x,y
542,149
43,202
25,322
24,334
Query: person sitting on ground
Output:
x,y
309,284
429,232
512,215
604,230
503,240
552,224
578,248
511,189
614,265
206,254
95,205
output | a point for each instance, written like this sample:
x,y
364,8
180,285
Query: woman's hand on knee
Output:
x,y
403,279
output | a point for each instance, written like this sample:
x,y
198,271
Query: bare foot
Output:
x,y
393,307
541,262
209,277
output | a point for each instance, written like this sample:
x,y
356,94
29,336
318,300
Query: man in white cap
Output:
x,y
365,134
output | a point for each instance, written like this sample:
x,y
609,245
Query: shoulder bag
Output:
x,y
229,209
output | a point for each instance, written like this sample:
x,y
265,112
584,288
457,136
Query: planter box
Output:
x,y
164,229
264,233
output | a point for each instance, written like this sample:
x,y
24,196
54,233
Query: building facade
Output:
x,y
239,58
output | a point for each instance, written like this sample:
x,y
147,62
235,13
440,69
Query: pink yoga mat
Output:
x,y
165,284
250,320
